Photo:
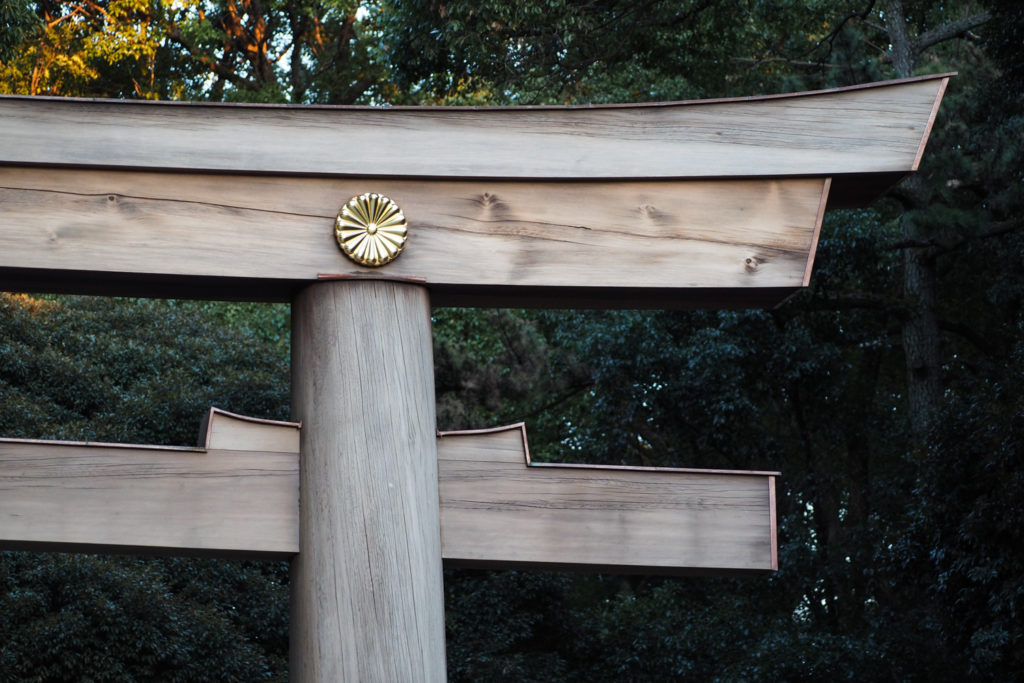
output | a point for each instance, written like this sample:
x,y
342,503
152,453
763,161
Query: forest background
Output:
x,y
889,393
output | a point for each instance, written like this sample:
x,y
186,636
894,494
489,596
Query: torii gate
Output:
x,y
712,203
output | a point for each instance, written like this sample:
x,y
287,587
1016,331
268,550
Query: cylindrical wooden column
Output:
x,y
367,599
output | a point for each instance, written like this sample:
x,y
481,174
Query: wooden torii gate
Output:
x,y
703,204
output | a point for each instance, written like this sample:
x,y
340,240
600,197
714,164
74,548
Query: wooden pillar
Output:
x,y
367,599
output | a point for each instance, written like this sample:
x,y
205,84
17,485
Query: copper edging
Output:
x,y
643,468
412,279
931,120
441,110
576,466
485,430
773,525
817,231
521,426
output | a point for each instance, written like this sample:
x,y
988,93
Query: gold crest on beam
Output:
x,y
371,229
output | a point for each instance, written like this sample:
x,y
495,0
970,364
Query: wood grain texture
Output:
x,y
663,244
367,596
879,128
233,499
223,430
496,510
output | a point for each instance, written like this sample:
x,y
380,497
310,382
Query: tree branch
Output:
x,y
997,230
225,72
956,29
792,62
845,20
573,390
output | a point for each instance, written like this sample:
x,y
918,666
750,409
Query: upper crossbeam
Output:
x,y
710,203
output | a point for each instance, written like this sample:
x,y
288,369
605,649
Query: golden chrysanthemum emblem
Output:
x,y
371,230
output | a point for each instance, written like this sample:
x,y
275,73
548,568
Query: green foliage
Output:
x,y
899,559
562,51
18,20
498,367
137,372
505,628
231,50
969,526
69,618
134,371
110,48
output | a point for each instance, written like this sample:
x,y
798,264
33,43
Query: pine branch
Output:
x,y
957,29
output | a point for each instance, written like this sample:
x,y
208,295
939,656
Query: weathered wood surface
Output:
x,y
872,129
237,496
498,510
651,244
367,595
230,431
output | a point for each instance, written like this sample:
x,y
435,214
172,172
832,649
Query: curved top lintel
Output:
x,y
865,136
480,108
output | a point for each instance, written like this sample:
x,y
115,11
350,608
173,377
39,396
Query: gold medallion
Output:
x,y
371,230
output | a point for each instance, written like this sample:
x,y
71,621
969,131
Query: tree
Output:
x,y
114,48
237,50
921,335
843,387
569,51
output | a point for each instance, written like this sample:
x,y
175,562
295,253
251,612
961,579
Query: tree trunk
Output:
x,y
921,334
922,343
